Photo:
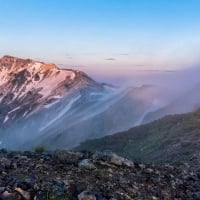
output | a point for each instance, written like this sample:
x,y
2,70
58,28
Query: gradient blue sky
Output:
x,y
103,36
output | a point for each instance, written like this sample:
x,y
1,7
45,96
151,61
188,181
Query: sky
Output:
x,y
103,37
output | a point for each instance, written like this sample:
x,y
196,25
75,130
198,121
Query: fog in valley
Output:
x,y
81,115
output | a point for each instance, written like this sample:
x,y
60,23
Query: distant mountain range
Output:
x,y
42,105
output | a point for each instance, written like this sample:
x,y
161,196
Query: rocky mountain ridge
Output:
x,y
26,86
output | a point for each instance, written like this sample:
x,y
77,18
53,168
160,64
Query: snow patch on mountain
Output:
x,y
14,109
62,112
6,119
51,104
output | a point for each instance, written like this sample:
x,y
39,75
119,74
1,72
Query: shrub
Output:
x,y
40,149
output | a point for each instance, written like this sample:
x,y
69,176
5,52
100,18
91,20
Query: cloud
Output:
x,y
89,53
78,66
110,59
68,56
123,54
156,70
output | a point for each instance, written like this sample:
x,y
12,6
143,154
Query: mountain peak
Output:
x,y
12,58
8,61
14,64
35,83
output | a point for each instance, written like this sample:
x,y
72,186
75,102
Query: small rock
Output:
x,y
2,189
68,157
128,163
86,164
148,170
9,196
110,170
6,162
85,195
26,195
117,160
142,166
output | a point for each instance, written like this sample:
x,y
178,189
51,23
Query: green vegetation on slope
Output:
x,y
170,139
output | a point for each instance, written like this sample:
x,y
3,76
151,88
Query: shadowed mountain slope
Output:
x,y
173,138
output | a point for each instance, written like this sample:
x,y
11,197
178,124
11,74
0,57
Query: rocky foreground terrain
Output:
x,y
65,175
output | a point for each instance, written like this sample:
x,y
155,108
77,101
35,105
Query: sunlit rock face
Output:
x,y
26,86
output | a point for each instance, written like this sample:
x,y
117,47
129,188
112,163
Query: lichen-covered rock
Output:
x,y
86,164
68,157
113,158
85,195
